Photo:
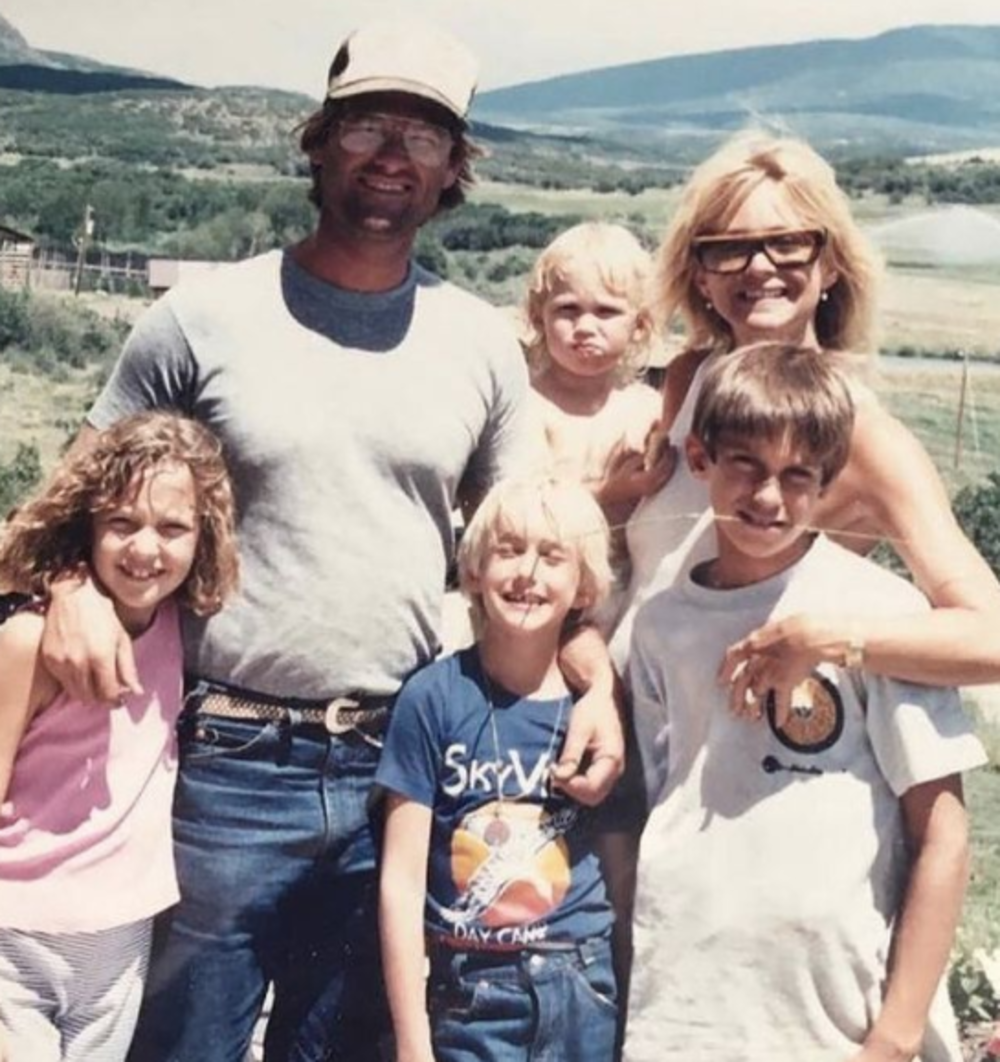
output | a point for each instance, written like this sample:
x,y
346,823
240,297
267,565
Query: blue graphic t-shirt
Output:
x,y
511,864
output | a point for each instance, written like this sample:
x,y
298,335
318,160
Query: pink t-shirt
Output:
x,y
85,841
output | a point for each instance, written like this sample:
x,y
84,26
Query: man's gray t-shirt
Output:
x,y
349,421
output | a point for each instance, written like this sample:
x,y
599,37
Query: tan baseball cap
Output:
x,y
407,57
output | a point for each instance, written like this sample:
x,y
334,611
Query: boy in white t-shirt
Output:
x,y
799,883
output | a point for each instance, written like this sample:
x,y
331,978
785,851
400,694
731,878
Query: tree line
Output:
x,y
975,181
155,210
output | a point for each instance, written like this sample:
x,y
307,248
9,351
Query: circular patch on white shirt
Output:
x,y
816,720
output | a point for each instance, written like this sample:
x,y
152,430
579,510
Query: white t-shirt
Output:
x,y
772,864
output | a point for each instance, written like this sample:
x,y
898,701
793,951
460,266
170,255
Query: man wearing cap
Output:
x,y
359,398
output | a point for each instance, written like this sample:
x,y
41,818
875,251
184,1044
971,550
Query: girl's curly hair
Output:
x,y
52,533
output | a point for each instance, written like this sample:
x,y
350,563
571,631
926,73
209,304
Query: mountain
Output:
x,y
920,90
924,87
14,49
123,115
29,69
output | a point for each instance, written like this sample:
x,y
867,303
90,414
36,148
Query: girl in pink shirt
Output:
x,y
86,790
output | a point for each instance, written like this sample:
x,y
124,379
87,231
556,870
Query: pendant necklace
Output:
x,y
498,831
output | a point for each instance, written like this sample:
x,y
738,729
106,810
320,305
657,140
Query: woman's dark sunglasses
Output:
x,y
784,250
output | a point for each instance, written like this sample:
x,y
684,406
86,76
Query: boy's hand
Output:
x,y
84,647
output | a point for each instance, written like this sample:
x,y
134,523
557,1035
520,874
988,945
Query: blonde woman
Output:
x,y
764,247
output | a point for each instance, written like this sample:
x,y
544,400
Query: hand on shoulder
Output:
x,y
85,645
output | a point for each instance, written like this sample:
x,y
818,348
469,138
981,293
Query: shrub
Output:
x,y
14,325
429,253
46,333
18,476
978,511
972,994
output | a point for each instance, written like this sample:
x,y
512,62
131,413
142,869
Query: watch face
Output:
x,y
816,720
854,658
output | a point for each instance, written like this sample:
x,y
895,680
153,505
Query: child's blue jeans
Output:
x,y
542,1006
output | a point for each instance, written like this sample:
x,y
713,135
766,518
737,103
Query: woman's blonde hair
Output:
x,y
845,318
52,534
573,518
623,266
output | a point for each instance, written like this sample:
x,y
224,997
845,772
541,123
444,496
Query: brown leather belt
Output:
x,y
342,715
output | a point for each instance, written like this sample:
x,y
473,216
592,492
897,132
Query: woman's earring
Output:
x,y
824,295
710,307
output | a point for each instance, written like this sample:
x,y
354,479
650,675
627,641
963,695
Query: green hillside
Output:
x,y
179,128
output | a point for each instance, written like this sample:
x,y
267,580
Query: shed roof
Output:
x,y
7,233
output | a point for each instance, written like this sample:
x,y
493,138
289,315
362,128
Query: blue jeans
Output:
x,y
276,862
531,1006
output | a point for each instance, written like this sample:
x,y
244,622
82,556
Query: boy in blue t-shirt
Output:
x,y
489,877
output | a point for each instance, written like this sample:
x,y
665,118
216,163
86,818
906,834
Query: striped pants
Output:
x,y
71,997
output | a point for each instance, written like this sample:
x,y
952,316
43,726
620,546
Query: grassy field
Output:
x,y
926,398
651,207
982,907
47,410
931,309
39,410
975,999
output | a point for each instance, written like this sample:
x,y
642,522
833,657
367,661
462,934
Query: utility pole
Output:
x,y
960,418
81,244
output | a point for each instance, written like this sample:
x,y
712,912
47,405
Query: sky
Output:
x,y
289,43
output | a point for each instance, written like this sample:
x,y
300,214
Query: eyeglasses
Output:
x,y
425,143
784,250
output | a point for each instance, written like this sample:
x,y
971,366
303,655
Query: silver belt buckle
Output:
x,y
332,721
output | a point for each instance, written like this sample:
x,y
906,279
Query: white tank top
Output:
x,y
670,531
